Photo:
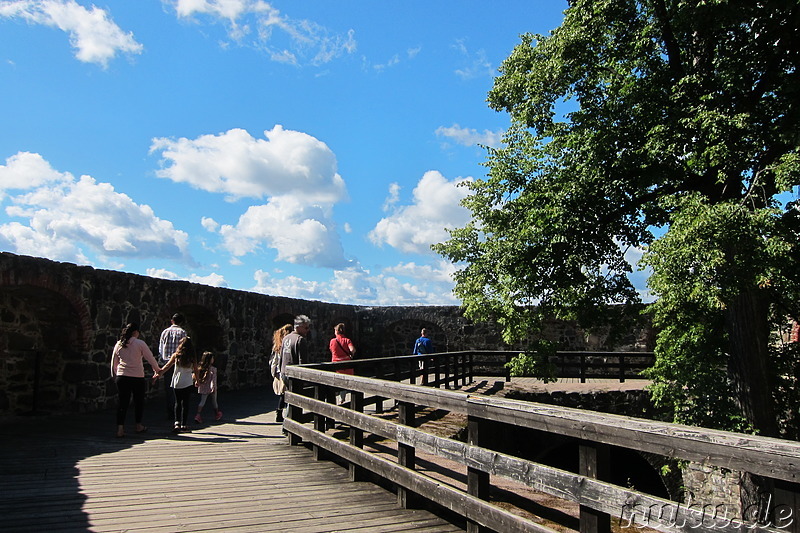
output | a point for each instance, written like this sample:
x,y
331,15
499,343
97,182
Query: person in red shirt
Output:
x,y
342,349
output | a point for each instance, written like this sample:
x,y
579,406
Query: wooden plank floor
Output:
x,y
70,474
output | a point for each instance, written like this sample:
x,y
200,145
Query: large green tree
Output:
x,y
666,126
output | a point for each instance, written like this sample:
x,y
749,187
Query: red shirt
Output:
x,y
340,351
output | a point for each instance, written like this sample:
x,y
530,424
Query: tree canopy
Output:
x,y
662,127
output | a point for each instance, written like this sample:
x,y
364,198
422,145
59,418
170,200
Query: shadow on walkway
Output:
x,y
40,455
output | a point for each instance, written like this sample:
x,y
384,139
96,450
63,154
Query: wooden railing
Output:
x,y
581,365
313,412
456,367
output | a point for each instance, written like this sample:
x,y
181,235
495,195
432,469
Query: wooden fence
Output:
x,y
581,365
313,411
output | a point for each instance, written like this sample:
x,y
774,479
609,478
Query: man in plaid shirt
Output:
x,y
167,345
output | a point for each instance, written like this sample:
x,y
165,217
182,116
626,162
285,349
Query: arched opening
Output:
x,y
400,336
44,367
208,335
627,468
281,320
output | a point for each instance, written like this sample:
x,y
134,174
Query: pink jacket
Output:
x,y
127,360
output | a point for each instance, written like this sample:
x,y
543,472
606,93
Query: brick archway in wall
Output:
x,y
27,286
207,333
281,320
43,345
399,337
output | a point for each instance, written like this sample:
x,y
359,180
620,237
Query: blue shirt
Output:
x,y
423,345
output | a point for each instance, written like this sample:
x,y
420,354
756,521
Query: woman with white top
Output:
x,y
183,381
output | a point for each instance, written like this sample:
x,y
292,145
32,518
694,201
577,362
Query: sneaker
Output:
x,y
218,415
177,428
185,429
198,418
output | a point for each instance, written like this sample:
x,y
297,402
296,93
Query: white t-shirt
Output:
x,y
182,377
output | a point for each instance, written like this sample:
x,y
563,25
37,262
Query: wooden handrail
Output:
x,y
772,458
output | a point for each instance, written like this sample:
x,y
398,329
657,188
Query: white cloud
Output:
x,y
393,198
227,9
469,136
65,215
213,280
441,272
284,39
436,208
301,233
357,286
478,64
96,38
394,60
237,164
25,240
209,224
295,171
25,170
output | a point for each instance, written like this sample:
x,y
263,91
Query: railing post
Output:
x,y
471,364
438,371
447,374
622,368
507,370
594,463
477,480
406,454
583,367
356,434
320,393
379,374
295,412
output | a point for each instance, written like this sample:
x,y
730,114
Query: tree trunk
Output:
x,y
748,364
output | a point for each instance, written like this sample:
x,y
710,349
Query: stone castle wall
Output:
x,y
59,323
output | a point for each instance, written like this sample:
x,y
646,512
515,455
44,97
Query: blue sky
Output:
x,y
305,149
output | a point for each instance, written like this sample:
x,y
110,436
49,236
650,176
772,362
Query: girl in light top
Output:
x,y
185,362
207,386
275,368
127,369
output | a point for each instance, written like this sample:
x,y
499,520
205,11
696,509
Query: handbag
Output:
x,y
278,386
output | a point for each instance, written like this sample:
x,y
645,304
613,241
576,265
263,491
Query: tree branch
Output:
x,y
673,50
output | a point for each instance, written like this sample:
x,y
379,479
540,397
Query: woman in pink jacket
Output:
x,y
127,369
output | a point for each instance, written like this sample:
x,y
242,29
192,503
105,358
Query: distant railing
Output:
x,y
464,365
313,413
581,365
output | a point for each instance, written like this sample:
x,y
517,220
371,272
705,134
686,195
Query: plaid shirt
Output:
x,y
170,338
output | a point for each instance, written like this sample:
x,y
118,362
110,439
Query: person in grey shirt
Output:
x,y
167,344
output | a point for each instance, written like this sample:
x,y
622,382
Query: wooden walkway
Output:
x,y
70,474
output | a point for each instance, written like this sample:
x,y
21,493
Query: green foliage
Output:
x,y
680,132
786,358
535,362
